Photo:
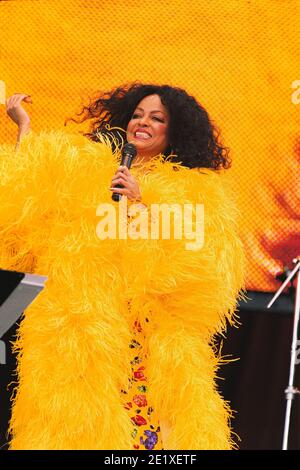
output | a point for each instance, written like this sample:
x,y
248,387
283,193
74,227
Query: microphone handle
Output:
x,y
116,196
126,161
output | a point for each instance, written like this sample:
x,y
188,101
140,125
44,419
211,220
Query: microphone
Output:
x,y
128,153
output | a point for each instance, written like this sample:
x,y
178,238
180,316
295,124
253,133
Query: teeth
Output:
x,y
142,135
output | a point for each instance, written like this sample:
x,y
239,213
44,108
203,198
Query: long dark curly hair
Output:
x,y
193,138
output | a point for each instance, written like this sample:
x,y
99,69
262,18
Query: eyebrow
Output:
x,y
154,111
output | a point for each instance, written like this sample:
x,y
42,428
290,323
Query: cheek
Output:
x,y
163,133
129,127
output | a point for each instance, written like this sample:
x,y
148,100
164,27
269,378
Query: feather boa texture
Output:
x,y
73,354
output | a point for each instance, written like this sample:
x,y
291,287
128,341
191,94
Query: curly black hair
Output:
x,y
193,138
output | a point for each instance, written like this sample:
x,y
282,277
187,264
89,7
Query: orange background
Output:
x,y
239,58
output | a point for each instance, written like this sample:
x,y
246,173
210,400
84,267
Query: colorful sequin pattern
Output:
x,y
145,426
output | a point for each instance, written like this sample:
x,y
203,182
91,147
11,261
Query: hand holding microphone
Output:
x,y
123,183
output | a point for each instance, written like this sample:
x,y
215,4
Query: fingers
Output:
x,y
119,181
119,177
16,100
124,170
122,175
16,112
28,99
119,190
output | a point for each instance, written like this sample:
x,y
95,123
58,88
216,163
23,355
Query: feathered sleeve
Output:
x,y
50,189
195,278
17,220
73,338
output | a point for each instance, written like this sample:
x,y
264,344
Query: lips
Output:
x,y
142,134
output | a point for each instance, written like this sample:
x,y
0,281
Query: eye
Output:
x,y
135,116
158,119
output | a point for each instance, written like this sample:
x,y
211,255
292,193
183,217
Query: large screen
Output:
x,y
239,58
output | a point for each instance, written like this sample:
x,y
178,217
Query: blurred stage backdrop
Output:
x,y
239,58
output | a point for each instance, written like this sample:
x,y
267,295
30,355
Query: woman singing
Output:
x,y
118,351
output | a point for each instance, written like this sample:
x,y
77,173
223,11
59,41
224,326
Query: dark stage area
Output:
x,y
255,383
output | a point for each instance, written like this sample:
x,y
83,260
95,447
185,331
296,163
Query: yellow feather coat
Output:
x,y
73,354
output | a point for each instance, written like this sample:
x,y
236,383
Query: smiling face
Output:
x,y
148,128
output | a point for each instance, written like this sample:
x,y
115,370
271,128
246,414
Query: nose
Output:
x,y
143,121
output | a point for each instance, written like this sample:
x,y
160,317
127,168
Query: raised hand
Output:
x,y
18,114
16,111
